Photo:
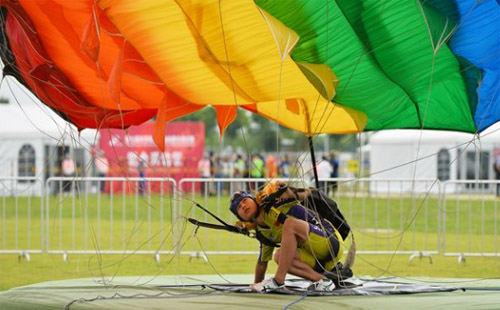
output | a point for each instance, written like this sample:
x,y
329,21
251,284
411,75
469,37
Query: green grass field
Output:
x,y
98,223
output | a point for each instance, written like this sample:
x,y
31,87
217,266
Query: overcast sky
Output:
x,y
11,89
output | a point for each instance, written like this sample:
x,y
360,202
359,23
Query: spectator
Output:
x,y
325,171
68,170
227,172
239,167
142,174
213,168
212,159
239,171
335,172
496,167
219,173
284,167
256,170
271,169
204,170
102,168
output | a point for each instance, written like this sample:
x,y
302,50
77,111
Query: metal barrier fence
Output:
x,y
110,215
384,221
390,216
470,218
21,217
147,215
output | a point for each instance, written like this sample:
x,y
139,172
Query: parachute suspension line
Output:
x,y
121,59
415,210
177,245
435,47
213,215
42,108
208,260
226,53
102,87
410,219
279,100
228,69
325,116
128,239
420,6
295,301
313,159
232,84
224,226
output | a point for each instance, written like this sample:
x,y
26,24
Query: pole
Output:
x,y
313,158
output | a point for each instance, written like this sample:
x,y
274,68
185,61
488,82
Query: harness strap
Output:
x,y
263,239
277,216
213,215
230,228
273,199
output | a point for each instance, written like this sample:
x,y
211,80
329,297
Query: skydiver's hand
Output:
x,y
240,225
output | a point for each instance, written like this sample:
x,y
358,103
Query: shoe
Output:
x,y
341,277
338,273
324,285
266,286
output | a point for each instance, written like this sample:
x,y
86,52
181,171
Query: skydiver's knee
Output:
x,y
290,226
287,223
296,227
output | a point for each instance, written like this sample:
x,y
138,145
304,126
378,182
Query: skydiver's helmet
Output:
x,y
236,199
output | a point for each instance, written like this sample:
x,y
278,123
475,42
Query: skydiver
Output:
x,y
309,244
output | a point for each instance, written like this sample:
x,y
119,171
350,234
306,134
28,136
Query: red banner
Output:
x,y
133,153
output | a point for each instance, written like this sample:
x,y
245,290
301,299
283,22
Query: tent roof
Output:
x,y
407,136
36,121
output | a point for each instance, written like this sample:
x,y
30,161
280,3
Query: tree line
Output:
x,y
251,132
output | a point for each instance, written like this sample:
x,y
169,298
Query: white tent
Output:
x,y
33,140
431,154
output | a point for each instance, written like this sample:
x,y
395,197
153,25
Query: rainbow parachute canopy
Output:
x,y
329,66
